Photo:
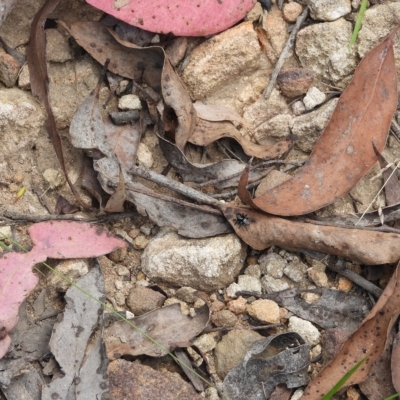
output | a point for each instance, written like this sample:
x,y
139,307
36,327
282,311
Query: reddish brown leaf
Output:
x,y
206,132
344,153
367,247
149,65
368,340
36,57
127,59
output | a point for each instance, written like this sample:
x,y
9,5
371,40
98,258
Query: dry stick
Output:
x,y
338,265
175,186
179,202
364,228
234,192
249,328
226,178
15,216
285,51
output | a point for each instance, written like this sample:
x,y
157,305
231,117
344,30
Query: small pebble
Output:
x,y
134,233
118,285
344,284
264,310
224,318
122,270
140,242
216,306
313,98
291,11
146,228
232,289
129,102
237,306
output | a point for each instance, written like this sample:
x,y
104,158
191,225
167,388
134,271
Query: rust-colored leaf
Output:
x,y
368,340
149,65
344,153
206,132
36,57
363,246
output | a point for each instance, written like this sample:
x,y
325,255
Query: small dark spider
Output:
x,y
242,220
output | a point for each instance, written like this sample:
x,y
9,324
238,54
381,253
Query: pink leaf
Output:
x,y
182,18
66,239
55,239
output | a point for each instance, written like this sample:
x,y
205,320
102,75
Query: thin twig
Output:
x,y
179,202
15,216
175,186
363,228
237,174
337,265
252,328
285,51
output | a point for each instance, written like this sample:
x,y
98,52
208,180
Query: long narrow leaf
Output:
x,y
357,26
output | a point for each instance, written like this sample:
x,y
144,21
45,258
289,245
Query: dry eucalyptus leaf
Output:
x,y
344,152
70,341
363,246
166,325
207,132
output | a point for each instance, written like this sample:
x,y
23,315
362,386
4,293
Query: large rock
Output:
x,y
377,23
229,69
324,49
205,264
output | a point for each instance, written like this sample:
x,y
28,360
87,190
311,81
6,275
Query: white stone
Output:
x,y
206,264
144,156
272,285
5,231
53,178
129,102
313,98
232,289
297,395
328,10
249,283
305,329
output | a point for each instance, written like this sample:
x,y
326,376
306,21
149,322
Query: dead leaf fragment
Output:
x,y
363,246
166,325
344,153
70,342
207,132
369,340
282,358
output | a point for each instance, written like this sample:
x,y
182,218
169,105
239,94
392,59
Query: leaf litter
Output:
x,y
343,143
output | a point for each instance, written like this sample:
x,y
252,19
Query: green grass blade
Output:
x,y
343,380
393,396
357,26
